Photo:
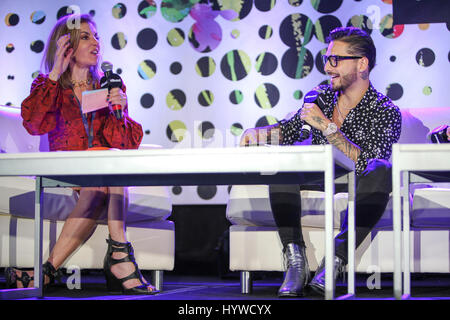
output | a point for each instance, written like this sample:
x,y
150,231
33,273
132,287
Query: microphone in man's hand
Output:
x,y
111,80
314,96
439,134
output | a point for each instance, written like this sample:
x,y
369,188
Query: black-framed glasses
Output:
x,y
333,59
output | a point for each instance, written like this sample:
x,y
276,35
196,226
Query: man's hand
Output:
x,y
312,114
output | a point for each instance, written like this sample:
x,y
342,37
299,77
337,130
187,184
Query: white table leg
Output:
x,y
406,237
38,210
351,234
396,217
329,231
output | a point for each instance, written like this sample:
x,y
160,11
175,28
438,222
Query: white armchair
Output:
x,y
255,244
152,235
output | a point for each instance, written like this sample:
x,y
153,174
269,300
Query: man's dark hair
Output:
x,y
360,43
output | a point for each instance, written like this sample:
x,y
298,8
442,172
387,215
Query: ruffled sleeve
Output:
x,y
39,108
122,134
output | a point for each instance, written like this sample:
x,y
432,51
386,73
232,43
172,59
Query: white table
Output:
x,y
410,162
211,166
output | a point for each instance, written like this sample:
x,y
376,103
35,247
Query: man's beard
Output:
x,y
345,81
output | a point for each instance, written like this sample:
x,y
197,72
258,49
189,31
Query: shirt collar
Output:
x,y
369,95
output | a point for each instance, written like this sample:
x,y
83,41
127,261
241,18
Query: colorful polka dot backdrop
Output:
x,y
200,72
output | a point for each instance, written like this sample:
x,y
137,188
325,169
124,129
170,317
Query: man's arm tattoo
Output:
x,y
319,120
347,147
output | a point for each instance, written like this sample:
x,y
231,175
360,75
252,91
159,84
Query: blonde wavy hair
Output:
x,y
67,24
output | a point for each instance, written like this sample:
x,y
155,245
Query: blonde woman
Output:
x,y
71,66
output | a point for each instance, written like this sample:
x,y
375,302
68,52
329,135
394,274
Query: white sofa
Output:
x,y
255,244
152,235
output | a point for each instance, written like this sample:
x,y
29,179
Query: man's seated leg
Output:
x,y
373,187
286,208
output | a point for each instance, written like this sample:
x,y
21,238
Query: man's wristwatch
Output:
x,y
331,128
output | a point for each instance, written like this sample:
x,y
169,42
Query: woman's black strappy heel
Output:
x,y
115,285
12,278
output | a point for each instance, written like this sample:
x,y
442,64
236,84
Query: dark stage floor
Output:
x,y
265,287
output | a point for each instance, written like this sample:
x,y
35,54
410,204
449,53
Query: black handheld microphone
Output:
x,y
439,135
314,96
111,80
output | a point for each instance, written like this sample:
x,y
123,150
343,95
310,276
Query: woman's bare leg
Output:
x,y
79,226
117,209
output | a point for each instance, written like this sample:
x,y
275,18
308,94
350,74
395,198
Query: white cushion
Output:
x,y
431,208
148,203
13,136
17,198
249,205
154,245
259,248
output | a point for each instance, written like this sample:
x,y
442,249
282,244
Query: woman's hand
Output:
x,y
117,96
63,55
249,138
260,136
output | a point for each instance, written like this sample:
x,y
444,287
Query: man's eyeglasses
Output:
x,y
333,59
